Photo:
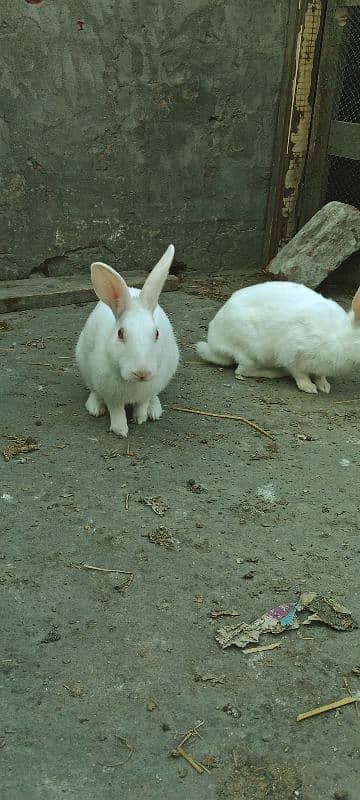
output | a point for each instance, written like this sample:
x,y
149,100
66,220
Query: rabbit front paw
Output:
x,y
140,412
94,405
118,422
322,384
154,410
305,384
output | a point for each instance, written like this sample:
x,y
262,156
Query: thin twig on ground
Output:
x,y
340,402
180,751
328,707
92,568
225,416
262,647
130,749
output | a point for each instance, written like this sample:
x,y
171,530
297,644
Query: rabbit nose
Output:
x,y
142,374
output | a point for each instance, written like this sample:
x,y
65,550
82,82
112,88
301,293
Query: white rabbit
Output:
x,y
127,351
276,329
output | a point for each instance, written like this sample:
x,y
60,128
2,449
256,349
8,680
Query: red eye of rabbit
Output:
x,y
157,334
121,334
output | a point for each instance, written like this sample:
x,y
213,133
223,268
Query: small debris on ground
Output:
x,y
326,610
261,780
76,691
328,707
152,705
356,670
5,325
211,762
274,621
92,568
156,503
225,416
39,343
262,648
197,488
21,444
284,617
179,750
113,453
162,537
209,677
232,711
222,612
129,748
52,636
118,451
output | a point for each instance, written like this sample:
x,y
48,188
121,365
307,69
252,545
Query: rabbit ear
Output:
x,y
110,287
154,283
356,305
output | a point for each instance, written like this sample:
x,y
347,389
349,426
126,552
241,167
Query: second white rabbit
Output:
x,y
276,329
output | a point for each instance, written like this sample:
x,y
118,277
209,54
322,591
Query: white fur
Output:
x,y
275,329
108,366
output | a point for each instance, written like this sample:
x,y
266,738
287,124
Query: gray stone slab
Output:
x,y
330,236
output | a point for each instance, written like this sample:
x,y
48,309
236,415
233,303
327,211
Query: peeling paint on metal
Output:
x,y
301,113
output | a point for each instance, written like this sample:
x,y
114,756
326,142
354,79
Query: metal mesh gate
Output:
x,y
343,163
317,154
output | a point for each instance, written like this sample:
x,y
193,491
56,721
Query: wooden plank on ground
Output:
x,y
320,246
345,140
45,292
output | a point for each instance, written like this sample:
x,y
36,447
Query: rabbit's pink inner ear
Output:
x,y
356,305
110,287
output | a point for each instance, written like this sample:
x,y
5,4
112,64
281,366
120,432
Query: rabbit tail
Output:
x,y
207,353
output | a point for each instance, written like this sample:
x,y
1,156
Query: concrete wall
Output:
x,y
127,124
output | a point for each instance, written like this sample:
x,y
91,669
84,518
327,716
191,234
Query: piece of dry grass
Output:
x,y
92,568
223,612
21,444
179,750
328,707
161,537
262,647
236,417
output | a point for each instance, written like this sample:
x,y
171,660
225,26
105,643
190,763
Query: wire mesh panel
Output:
x,y
344,180
343,173
347,98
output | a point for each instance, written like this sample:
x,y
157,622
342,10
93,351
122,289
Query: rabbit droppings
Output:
x,y
276,329
127,352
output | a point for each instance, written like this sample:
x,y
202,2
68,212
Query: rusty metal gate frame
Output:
x,y
304,119
305,27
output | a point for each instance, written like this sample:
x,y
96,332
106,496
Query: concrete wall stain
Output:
x,y
124,126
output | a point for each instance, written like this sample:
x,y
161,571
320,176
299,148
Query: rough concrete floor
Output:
x,y
100,679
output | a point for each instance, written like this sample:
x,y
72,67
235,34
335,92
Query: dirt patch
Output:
x,y
262,781
99,622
